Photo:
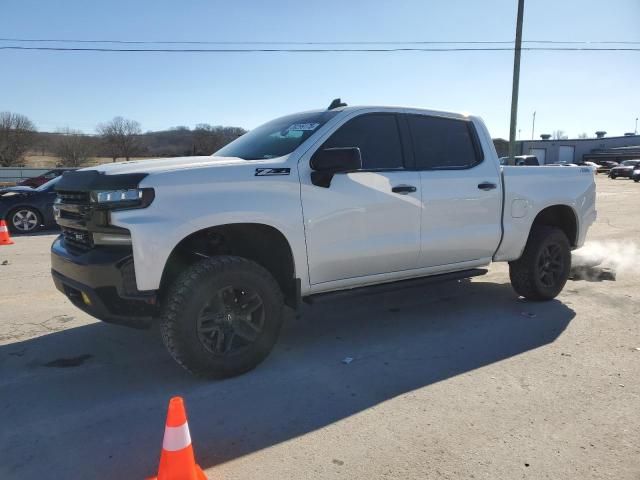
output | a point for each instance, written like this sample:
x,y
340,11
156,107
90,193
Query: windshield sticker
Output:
x,y
303,127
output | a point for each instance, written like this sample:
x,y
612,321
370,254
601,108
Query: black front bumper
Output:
x,y
106,277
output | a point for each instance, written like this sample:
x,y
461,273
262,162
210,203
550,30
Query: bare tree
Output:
x,y
558,135
122,137
72,147
17,134
207,139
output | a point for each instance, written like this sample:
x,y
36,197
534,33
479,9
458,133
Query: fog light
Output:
x,y
86,299
112,239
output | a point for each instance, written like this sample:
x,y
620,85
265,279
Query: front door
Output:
x,y
366,222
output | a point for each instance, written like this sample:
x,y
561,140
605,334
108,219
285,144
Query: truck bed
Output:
x,y
529,190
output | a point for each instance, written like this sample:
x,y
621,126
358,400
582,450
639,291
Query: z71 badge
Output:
x,y
264,172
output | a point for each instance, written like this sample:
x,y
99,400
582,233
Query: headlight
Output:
x,y
117,199
118,196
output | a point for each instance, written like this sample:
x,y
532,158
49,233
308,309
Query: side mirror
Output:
x,y
327,162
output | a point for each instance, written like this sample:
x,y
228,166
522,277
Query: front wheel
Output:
x,y
543,269
222,316
24,220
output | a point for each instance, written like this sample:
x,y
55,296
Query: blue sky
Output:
x,y
572,91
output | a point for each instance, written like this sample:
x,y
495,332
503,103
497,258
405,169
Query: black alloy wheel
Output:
x,y
550,265
232,321
543,269
222,316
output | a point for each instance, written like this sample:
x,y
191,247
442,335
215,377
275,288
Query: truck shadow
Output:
x,y
93,398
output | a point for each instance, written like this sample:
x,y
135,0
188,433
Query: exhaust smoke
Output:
x,y
598,261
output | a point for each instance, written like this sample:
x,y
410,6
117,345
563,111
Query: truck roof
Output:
x,y
396,108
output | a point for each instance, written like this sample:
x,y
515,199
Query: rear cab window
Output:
x,y
441,143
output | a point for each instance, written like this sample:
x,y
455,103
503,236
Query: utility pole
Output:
x,y
516,82
533,126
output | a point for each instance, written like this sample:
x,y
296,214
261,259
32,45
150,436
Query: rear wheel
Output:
x,y
543,269
24,220
222,316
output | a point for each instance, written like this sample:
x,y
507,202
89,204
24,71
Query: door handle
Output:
x,y
486,186
403,189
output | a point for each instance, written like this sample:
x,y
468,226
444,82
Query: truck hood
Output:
x,y
159,165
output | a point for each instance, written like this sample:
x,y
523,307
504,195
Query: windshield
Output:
x,y
276,138
47,186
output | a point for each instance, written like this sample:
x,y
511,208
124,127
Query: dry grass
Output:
x,y
50,161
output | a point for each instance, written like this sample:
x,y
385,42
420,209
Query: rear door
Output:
x,y
461,191
366,222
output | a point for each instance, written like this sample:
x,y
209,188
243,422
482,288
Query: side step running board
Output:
x,y
393,286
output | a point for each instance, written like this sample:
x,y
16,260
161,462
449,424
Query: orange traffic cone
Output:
x,y
5,239
176,460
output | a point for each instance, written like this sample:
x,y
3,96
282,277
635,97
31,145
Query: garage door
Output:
x,y
566,154
541,153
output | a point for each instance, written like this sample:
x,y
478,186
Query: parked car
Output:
x,y
44,178
315,204
625,169
606,166
520,161
592,165
27,209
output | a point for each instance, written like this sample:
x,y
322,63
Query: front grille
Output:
x,y
79,219
73,212
77,241
74,198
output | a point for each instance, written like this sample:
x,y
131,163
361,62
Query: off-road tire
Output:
x,y
192,290
525,272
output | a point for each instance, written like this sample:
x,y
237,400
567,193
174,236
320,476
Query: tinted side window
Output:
x,y
377,137
441,143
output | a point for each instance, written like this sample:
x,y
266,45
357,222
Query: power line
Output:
x,y
321,50
394,42
243,42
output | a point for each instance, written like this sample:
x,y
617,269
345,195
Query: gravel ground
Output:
x,y
462,380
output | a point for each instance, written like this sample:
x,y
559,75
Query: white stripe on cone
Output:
x,y
176,438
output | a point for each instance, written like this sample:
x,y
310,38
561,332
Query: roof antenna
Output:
x,y
337,103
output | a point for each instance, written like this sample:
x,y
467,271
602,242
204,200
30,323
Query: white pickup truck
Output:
x,y
312,204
